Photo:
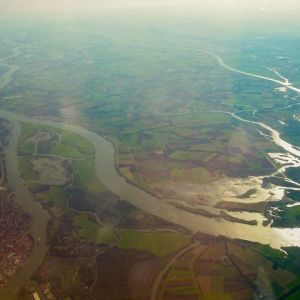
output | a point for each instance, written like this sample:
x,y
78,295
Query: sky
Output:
x,y
218,6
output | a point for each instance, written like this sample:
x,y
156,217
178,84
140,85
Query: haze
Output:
x,y
221,6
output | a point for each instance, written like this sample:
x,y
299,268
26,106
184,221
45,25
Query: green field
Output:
x,y
67,151
158,243
25,167
91,232
55,199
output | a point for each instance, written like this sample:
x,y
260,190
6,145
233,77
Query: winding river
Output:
x,y
108,175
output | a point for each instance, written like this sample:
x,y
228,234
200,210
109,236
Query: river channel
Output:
x,y
106,172
108,175
39,215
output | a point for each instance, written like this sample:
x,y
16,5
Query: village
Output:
x,y
15,242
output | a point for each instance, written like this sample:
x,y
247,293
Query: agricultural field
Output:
x,y
158,243
229,270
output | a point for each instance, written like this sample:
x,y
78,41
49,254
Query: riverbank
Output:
x,y
39,216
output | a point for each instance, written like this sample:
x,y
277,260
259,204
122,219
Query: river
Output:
x,y
39,216
108,175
